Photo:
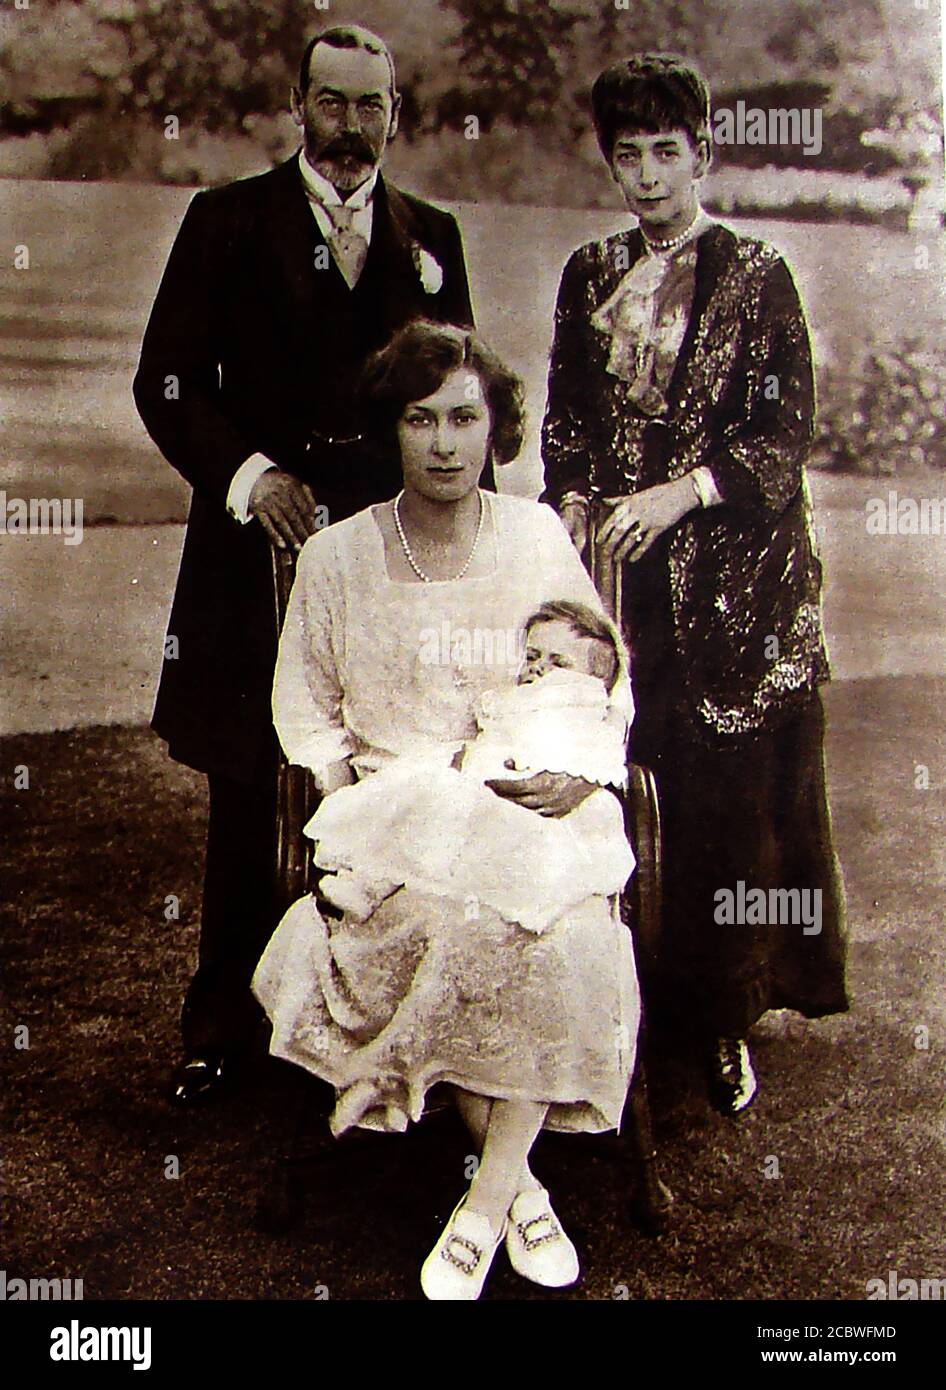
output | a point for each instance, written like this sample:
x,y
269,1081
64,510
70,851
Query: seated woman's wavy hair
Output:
x,y
415,364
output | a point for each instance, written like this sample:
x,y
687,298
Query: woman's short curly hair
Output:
x,y
415,364
650,93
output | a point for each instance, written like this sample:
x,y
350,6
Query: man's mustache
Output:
x,y
353,146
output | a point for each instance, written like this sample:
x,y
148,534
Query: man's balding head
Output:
x,y
346,36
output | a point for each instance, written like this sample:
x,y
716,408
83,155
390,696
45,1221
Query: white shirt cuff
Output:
x,y
705,485
244,480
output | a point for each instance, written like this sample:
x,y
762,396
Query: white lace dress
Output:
x,y
440,830
432,986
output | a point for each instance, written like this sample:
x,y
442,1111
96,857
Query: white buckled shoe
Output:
x,y
537,1247
456,1268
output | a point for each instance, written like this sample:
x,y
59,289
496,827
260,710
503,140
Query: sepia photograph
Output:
x,y
473,682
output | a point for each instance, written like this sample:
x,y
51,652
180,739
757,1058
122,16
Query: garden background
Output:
x,y
108,828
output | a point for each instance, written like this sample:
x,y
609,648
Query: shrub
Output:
x,y
888,418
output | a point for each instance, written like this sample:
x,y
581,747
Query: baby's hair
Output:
x,y
584,622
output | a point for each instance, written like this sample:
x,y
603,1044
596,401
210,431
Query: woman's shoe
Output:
x,y
537,1247
732,1081
456,1268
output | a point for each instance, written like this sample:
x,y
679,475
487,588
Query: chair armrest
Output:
x,y
297,796
642,899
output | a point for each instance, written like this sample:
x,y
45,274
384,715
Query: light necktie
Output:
x,y
349,248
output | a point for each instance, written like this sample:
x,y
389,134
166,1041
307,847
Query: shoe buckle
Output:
x,y
531,1241
468,1265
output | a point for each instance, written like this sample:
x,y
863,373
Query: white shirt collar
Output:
x,y
321,191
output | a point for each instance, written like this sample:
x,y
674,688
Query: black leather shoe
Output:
x,y
732,1081
199,1078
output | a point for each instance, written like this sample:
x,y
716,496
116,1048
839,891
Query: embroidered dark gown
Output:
x,y
723,614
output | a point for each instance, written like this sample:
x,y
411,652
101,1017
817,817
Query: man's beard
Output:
x,y
346,162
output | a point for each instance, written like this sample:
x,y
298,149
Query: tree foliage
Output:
x,y
112,70
216,63
512,60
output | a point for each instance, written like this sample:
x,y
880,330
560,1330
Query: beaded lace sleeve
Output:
x,y
761,464
564,432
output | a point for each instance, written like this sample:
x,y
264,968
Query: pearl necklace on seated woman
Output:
x,y
409,554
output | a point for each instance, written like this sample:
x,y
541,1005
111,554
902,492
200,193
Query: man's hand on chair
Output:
x,y
548,793
284,507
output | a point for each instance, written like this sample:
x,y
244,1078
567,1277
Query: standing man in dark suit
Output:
x,y
276,291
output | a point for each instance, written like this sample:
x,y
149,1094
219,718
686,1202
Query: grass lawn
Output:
x,y
852,1109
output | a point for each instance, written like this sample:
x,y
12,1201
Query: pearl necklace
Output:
x,y
672,243
408,553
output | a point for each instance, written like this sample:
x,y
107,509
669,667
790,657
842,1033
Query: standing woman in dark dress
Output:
x,y
680,413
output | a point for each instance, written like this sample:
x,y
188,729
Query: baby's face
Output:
x,y
554,646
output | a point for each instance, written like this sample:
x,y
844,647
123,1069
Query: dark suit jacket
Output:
x,y
266,350
742,580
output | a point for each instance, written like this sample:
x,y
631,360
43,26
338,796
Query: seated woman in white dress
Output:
x,y
530,1029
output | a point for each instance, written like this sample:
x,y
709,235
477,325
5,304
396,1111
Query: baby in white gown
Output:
x,y
437,828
